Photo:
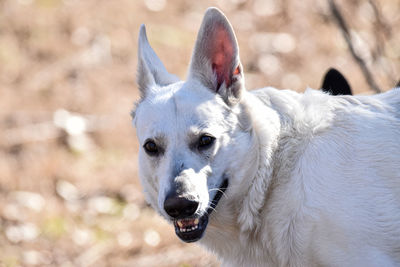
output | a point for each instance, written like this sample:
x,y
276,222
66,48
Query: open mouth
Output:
x,y
192,229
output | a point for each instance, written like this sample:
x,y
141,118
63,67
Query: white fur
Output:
x,y
314,179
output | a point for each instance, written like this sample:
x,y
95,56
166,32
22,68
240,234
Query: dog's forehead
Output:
x,y
179,107
194,97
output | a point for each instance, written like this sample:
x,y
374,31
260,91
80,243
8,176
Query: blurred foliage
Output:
x,y
54,227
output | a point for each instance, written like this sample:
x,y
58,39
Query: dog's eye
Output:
x,y
151,148
205,141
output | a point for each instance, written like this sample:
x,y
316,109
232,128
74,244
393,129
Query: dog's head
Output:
x,y
190,133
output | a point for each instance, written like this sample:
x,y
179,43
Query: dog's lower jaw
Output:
x,y
195,232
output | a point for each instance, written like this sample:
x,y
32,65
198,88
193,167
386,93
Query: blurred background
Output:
x,y
69,191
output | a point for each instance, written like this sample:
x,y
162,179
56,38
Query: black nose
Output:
x,y
177,206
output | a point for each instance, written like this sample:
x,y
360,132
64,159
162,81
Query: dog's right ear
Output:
x,y
215,60
151,70
335,83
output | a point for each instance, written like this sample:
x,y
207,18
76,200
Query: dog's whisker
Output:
x,y
212,208
213,189
219,190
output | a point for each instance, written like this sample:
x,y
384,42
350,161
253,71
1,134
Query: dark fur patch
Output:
x,y
335,83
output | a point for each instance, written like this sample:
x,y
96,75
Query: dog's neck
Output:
x,y
279,121
265,128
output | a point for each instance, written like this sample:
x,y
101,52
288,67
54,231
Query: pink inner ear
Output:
x,y
221,55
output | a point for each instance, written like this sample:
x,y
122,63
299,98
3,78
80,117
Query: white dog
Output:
x,y
268,177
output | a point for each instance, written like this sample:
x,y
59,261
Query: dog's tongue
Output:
x,y
187,222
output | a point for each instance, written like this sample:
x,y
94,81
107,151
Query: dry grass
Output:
x,y
69,193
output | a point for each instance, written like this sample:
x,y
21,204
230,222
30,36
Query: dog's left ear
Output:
x,y
151,70
215,60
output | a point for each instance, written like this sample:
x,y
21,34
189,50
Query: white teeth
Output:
x,y
187,228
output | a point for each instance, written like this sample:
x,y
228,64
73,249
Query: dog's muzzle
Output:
x,y
188,226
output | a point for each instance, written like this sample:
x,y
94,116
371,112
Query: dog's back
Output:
x,y
360,161
391,99
344,184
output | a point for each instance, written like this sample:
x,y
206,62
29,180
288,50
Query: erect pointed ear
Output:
x,y
335,83
151,70
215,60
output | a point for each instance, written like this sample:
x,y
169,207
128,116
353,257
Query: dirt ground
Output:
x,y
69,191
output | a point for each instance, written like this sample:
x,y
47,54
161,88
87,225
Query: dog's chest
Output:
x,y
232,251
